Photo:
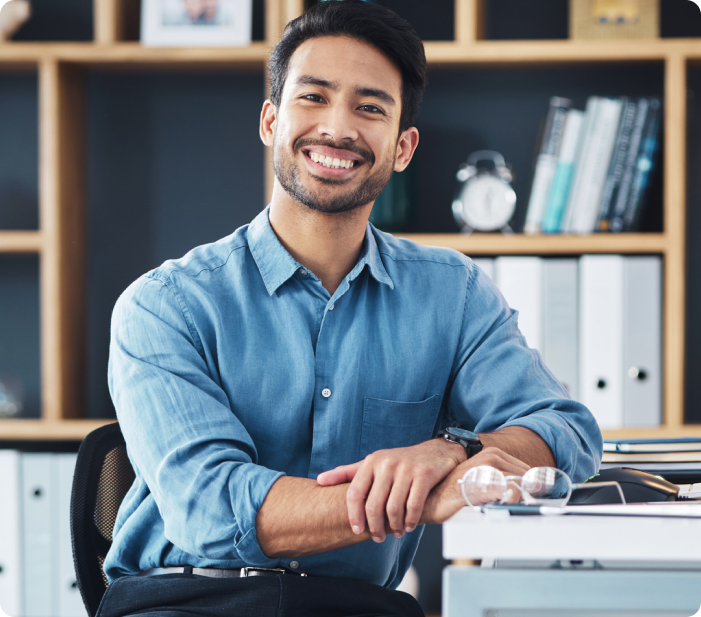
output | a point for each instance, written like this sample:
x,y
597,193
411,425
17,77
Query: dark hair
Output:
x,y
371,23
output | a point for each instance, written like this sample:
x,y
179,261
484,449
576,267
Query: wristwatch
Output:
x,y
467,439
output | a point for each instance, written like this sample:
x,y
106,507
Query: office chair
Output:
x,y
102,478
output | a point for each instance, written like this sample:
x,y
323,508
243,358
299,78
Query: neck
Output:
x,y
326,244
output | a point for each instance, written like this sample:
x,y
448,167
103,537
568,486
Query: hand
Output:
x,y
446,498
390,486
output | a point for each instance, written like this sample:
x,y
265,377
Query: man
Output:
x,y
280,390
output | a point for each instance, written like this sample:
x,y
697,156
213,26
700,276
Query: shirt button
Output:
x,y
294,564
331,307
326,393
302,271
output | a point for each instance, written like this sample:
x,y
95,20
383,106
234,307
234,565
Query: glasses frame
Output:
x,y
512,482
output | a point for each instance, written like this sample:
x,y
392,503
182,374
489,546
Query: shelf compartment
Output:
x,y
20,242
560,244
48,429
20,362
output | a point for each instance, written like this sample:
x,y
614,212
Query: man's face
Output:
x,y
335,136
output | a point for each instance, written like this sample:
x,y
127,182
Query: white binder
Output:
x,y
10,534
520,280
601,337
642,341
38,543
560,324
66,592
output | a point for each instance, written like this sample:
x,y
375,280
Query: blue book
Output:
x,y
653,446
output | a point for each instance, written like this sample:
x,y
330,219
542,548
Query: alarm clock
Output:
x,y
485,200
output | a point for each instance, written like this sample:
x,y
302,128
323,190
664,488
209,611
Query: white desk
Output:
x,y
622,544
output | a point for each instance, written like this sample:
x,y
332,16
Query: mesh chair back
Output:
x,y
103,475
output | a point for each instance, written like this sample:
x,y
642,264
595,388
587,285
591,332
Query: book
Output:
x,y
626,181
652,457
682,444
615,171
564,171
644,165
580,173
595,164
546,163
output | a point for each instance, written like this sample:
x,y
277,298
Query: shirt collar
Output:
x,y
276,265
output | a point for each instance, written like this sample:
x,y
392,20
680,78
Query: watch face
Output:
x,y
488,202
461,433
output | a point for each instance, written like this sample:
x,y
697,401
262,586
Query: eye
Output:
x,y
316,98
371,108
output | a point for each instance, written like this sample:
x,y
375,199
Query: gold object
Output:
x,y
614,19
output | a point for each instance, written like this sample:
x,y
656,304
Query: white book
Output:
x,y
642,341
10,534
486,264
596,164
38,543
66,592
582,167
520,281
601,337
560,321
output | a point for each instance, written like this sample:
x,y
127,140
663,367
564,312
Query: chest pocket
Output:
x,y
392,424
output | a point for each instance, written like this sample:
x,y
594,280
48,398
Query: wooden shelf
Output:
x,y
256,54
519,244
48,429
20,242
133,54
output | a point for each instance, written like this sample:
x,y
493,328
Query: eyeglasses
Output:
x,y
538,486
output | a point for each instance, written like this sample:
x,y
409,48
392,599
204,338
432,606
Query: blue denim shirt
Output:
x,y
234,366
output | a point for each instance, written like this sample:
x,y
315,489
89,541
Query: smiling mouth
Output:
x,y
330,162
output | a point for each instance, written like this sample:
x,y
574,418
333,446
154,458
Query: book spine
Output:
x,y
644,165
626,182
582,164
545,165
564,172
599,157
615,171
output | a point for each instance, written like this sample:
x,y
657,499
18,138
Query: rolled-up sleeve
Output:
x,y
498,381
184,440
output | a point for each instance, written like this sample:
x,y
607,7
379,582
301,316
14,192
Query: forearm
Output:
x,y
299,517
522,443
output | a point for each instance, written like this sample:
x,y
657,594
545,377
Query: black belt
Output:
x,y
218,572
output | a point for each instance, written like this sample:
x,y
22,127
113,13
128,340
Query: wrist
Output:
x,y
453,449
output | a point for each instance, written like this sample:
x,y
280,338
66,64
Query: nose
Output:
x,y
337,123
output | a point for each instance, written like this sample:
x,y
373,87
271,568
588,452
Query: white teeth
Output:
x,y
333,163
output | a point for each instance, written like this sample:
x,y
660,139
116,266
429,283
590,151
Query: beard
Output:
x,y
287,172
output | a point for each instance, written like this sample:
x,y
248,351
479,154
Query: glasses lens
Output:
x,y
483,484
546,485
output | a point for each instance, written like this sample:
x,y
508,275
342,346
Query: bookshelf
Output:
x,y
62,69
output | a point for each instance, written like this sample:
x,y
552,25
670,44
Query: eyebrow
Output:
x,y
334,85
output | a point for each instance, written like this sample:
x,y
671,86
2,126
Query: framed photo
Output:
x,y
196,23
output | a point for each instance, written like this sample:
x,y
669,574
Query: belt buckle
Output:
x,y
245,571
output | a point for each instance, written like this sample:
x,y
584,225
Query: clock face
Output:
x,y
488,202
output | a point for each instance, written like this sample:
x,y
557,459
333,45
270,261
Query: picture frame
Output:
x,y
196,23
614,19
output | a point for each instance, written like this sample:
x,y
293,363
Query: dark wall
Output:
x,y
174,161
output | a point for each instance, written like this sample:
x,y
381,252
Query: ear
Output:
x,y
267,122
406,146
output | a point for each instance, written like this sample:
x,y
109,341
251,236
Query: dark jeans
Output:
x,y
283,595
